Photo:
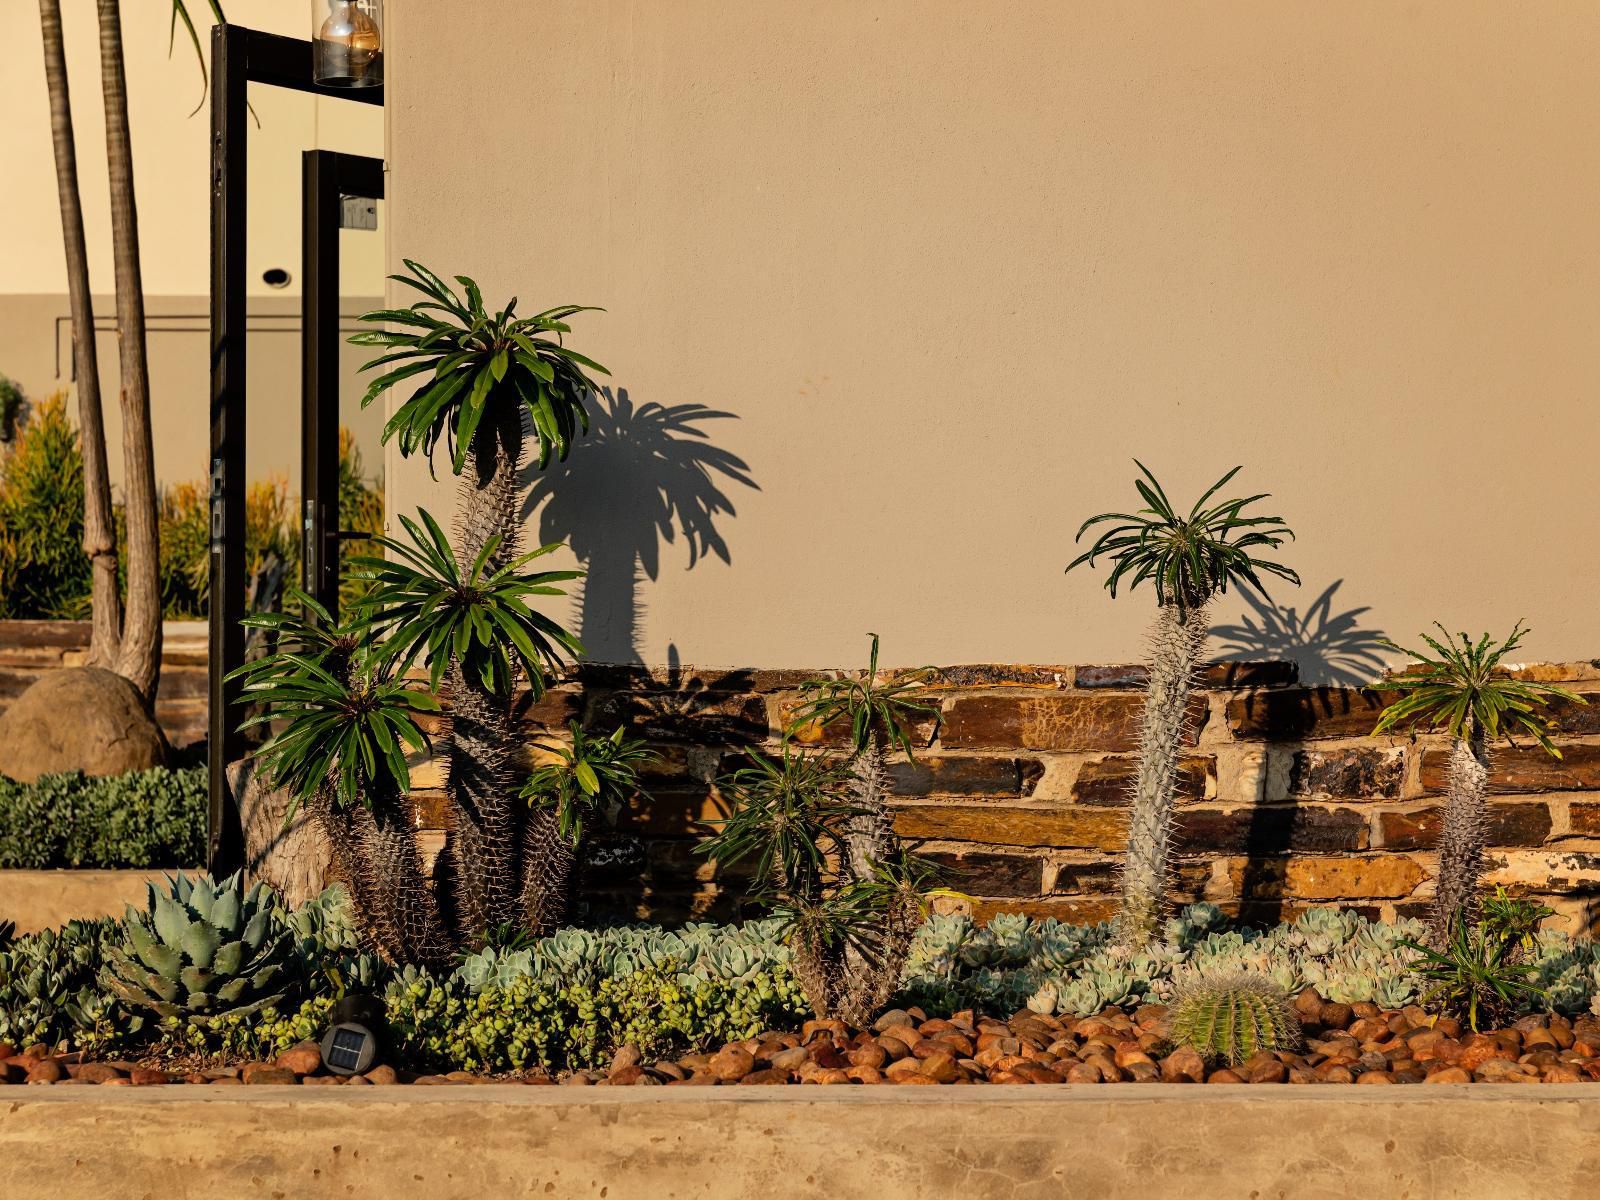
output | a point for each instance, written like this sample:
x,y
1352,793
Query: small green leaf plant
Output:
x,y
1463,688
1189,559
1481,970
482,380
790,817
342,721
592,774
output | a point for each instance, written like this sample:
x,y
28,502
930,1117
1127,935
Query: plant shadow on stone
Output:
x,y
1327,647
644,474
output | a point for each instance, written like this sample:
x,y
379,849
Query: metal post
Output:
x,y
319,393
240,56
228,184
326,178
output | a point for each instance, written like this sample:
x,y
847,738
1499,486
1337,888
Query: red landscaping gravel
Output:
x,y
1344,1043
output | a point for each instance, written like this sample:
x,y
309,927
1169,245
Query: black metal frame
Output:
x,y
326,177
241,56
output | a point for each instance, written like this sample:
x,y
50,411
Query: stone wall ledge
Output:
x,y
1505,1143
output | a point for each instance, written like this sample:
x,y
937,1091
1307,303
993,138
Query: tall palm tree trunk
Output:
x,y
139,659
1176,641
99,532
1461,838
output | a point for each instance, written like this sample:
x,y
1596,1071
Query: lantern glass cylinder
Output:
x,y
348,42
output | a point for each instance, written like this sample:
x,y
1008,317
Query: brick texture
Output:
x,y
1019,786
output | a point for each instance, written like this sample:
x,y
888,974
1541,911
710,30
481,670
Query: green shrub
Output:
x,y
553,1023
50,989
263,1034
44,572
1484,972
153,818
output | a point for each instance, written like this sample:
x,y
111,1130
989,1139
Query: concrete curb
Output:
x,y
1317,1143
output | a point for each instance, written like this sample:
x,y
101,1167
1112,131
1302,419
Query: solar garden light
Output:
x,y
351,1045
349,42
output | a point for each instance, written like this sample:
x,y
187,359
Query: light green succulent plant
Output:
x,y
201,949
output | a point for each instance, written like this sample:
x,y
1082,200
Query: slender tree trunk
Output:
x,y
139,660
99,530
1175,646
1462,836
869,835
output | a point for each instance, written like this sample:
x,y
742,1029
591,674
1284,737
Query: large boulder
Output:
x,y
79,719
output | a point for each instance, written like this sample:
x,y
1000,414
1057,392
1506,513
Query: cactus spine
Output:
x,y
1232,1018
1176,641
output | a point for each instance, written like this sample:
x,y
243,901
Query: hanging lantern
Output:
x,y
348,50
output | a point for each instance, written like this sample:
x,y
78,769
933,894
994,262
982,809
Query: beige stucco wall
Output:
x,y
172,178
952,266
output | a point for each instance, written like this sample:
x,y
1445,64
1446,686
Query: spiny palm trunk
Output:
x,y
1176,642
1461,838
869,835
852,980
482,866
139,659
99,533
375,854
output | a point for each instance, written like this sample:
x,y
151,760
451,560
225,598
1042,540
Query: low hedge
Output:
x,y
151,818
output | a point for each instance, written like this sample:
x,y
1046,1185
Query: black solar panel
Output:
x,y
345,1053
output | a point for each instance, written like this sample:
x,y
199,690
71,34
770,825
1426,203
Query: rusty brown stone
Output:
x,y
1105,782
1525,769
1298,713
1091,721
1358,773
1085,828
1520,823
948,775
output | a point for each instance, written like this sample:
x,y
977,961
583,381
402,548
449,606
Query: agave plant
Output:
x,y
1462,688
475,628
201,950
849,935
342,721
486,380
1189,559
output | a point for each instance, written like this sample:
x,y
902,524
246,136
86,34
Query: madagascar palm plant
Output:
x,y
1189,559
849,934
1462,688
342,720
590,774
486,379
879,711
474,628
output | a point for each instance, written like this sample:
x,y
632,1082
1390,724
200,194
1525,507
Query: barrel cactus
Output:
x,y
201,949
1231,1018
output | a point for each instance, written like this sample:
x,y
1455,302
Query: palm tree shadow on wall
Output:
x,y
642,476
1328,647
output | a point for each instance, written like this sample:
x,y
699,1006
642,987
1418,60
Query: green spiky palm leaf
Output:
x,y
592,773
1188,558
472,360
432,610
1461,685
888,705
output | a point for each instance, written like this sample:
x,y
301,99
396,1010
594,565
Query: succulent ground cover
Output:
x,y
1329,997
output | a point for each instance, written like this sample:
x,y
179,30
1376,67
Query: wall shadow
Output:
x,y
1330,648
641,477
